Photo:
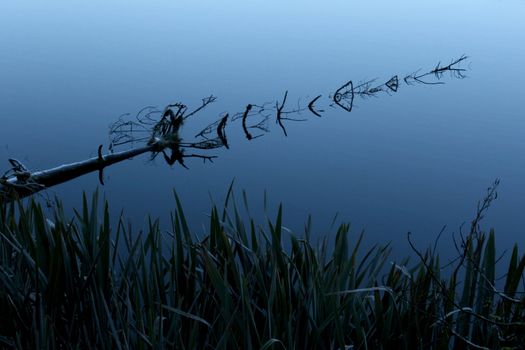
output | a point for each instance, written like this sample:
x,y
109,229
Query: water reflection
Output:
x,y
255,119
344,95
160,130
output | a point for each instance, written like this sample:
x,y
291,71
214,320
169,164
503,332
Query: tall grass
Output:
x,y
84,283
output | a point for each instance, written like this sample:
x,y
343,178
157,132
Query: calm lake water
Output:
x,y
414,160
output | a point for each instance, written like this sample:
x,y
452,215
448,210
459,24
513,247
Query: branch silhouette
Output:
x,y
311,106
157,131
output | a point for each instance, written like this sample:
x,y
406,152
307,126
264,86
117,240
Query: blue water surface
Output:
x,y
414,160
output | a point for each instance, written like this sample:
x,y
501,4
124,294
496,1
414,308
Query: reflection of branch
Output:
x,y
177,155
221,132
345,92
262,125
159,130
393,83
344,95
208,130
205,158
206,144
279,111
438,72
312,108
244,116
147,125
415,78
367,90
205,101
218,127
455,71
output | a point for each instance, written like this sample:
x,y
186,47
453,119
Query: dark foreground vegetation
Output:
x,y
83,283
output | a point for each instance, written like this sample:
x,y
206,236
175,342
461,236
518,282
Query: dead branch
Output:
x,y
444,289
465,253
161,135
12,188
158,132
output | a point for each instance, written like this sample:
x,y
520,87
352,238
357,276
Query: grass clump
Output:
x,y
83,283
